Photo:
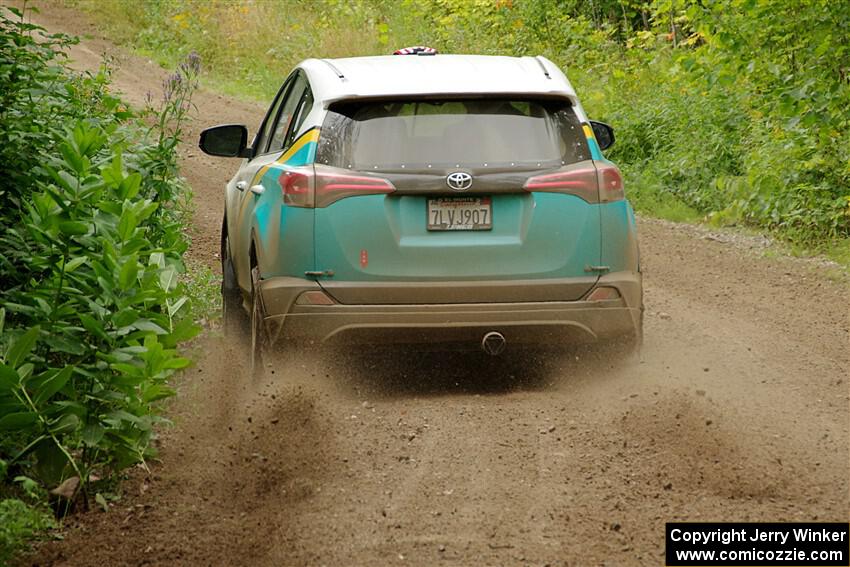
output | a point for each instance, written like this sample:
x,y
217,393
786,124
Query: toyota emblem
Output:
x,y
459,181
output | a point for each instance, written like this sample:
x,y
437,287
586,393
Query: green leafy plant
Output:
x,y
91,247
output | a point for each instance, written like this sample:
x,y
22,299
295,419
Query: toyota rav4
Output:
x,y
426,199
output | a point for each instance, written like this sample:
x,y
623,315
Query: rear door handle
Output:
x,y
257,189
241,185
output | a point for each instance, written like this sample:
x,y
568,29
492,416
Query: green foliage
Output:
x,y
734,110
19,523
91,243
203,286
745,121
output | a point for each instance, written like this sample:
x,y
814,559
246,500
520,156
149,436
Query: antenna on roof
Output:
x,y
334,69
415,50
542,66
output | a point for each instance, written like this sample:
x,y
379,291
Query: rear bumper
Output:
x,y
537,322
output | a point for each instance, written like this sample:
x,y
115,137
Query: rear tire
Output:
x,y
259,334
234,318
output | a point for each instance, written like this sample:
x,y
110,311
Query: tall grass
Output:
x,y
247,47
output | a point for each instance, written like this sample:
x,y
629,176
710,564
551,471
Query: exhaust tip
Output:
x,y
493,343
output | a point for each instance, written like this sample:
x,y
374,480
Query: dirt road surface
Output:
x,y
737,410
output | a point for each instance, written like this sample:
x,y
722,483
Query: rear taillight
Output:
x,y
610,183
320,186
595,183
578,179
297,186
333,185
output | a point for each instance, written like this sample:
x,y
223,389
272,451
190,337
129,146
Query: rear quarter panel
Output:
x,y
283,235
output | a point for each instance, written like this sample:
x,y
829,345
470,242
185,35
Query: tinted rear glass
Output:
x,y
477,133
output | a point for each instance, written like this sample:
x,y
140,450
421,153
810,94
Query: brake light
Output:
x,y
297,190
595,183
320,186
331,186
578,179
610,183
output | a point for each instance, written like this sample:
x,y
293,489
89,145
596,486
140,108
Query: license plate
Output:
x,y
464,213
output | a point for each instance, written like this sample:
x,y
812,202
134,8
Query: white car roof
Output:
x,y
410,75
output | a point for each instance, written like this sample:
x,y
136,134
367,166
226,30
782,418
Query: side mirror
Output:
x,y
604,134
228,140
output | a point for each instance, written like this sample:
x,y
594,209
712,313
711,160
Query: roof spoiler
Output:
x,y
352,97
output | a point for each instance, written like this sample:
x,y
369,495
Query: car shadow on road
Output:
x,y
399,373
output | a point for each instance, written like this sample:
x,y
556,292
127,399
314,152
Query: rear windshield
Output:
x,y
389,135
